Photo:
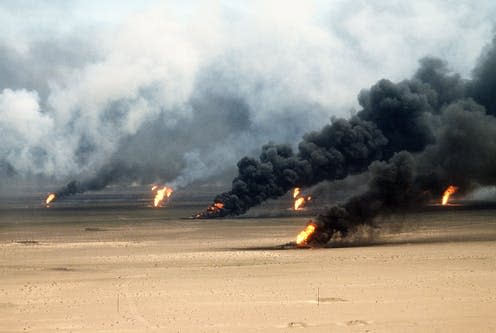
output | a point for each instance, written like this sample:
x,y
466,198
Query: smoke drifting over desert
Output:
x,y
415,137
133,111
110,102
241,166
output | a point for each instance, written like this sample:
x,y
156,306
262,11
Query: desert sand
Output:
x,y
143,270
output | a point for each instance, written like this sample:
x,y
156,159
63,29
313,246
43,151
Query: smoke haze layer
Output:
x,y
153,93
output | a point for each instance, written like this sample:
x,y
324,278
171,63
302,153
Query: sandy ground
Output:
x,y
129,271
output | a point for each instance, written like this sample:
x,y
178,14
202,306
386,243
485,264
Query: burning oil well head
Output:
x,y
393,186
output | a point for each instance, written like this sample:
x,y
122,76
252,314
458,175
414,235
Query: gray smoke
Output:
x,y
176,93
107,175
434,113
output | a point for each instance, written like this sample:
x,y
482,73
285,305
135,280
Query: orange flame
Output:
x,y
161,195
447,193
50,198
299,201
303,236
211,210
215,206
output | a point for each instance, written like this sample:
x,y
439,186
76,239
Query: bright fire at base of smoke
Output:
x,y
447,193
299,201
161,195
51,197
303,237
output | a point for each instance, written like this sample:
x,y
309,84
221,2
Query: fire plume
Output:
x,y
447,193
161,195
214,208
212,211
299,201
51,197
304,235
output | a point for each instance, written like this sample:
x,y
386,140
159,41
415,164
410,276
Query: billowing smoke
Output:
x,y
393,187
176,93
436,116
341,148
463,155
482,87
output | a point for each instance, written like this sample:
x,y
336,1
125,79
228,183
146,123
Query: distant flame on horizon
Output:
x,y
51,197
161,195
299,201
447,193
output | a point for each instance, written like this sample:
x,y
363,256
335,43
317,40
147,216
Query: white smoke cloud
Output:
x,y
23,127
291,64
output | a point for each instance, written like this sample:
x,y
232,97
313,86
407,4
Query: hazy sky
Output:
x,y
185,88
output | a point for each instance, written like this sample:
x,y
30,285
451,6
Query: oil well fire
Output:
x,y
415,139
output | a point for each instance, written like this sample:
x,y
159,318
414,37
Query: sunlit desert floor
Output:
x,y
142,270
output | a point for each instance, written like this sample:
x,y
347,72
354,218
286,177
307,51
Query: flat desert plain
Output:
x,y
147,270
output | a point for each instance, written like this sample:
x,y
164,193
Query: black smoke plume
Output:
x,y
108,174
393,187
341,148
463,155
435,115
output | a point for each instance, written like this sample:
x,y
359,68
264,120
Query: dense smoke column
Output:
x,y
393,187
483,86
340,148
447,86
395,117
462,155
465,149
402,112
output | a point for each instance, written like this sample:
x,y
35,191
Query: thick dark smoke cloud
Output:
x,y
433,115
483,86
447,86
465,147
401,111
341,148
177,93
462,155
392,187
